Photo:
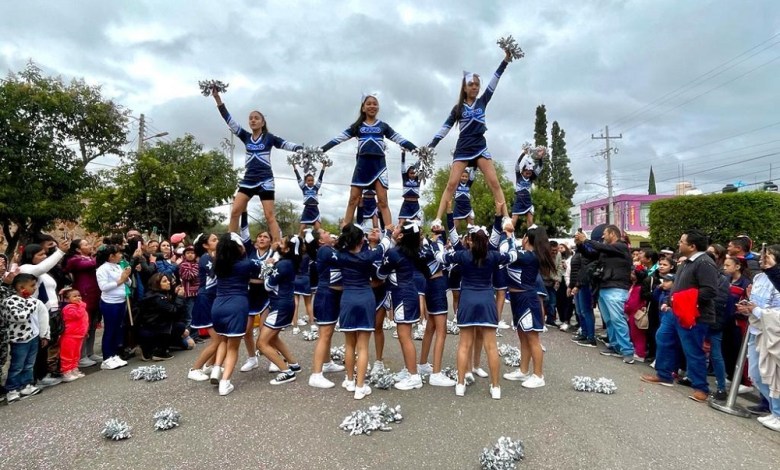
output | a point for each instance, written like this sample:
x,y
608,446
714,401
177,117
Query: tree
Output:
x,y
172,186
540,139
651,183
49,132
561,178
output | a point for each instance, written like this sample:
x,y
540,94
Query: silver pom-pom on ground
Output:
x,y
310,335
510,354
116,430
149,373
589,384
206,86
502,456
338,353
452,328
381,379
510,45
166,418
373,419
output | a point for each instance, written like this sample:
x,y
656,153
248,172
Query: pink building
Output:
x,y
631,212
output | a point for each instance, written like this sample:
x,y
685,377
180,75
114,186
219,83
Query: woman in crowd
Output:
x,y
112,280
81,265
159,310
735,326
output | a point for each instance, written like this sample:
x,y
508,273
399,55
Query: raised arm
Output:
x,y
491,88
234,126
301,182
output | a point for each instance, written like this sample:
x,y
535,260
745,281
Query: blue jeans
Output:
x,y
584,302
113,332
189,302
670,338
716,357
20,370
755,376
550,302
612,303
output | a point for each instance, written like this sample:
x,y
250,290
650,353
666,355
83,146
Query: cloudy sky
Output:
x,y
692,85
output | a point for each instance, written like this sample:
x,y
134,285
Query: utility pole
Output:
x,y
608,156
141,130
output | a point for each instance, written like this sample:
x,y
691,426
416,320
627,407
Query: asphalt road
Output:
x,y
294,426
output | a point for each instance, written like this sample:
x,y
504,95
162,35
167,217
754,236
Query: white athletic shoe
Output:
x,y
517,375
362,392
314,327
744,389
319,381
331,366
379,366
348,385
425,369
225,387
207,369
533,382
460,390
469,377
564,327
495,393
110,364
441,380
409,383
216,374
86,362
480,372
273,368
250,364
763,419
502,325
296,330
69,376
401,375
120,361
301,322
197,375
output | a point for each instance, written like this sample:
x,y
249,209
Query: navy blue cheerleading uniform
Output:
x,y
357,311
453,274
410,209
258,296
280,291
311,201
258,176
436,286
379,283
523,297
207,291
523,203
498,238
231,306
371,164
477,307
302,280
369,208
404,290
327,300
471,140
462,209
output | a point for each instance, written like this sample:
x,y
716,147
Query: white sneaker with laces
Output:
x,y
348,385
379,366
401,375
773,424
517,375
762,419
533,382
441,380
273,368
331,366
29,390
197,375
480,372
314,327
301,322
410,383
69,376
120,361
395,333
319,381
362,392
12,396
425,369
216,374
495,393
250,364
225,387
109,364
296,330
460,390
502,325
79,373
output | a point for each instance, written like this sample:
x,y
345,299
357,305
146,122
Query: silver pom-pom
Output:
x,y
589,384
503,456
387,324
308,158
337,353
452,328
375,418
267,270
510,354
426,163
167,418
116,430
418,333
381,379
206,86
310,335
509,45
149,373
452,373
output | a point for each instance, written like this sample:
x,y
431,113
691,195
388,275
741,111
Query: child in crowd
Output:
x,y
634,304
76,319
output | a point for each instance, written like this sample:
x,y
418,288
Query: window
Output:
x,y
589,218
644,212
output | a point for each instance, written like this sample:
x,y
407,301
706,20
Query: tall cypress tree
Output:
x,y
540,138
651,183
560,175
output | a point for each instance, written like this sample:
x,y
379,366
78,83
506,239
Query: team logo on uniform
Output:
x,y
370,130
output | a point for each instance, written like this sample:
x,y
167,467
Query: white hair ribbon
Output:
x,y
297,242
477,228
236,238
197,240
469,77
308,236
365,96
411,227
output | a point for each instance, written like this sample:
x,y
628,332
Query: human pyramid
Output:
x,y
363,275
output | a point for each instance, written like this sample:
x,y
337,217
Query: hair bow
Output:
x,y
308,236
477,228
469,77
411,227
236,238
365,96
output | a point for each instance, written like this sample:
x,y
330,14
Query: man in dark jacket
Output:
x,y
697,272
615,281
583,300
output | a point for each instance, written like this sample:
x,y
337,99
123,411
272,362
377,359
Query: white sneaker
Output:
x,y
348,385
12,396
79,373
69,376
296,330
502,325
564,327
744,389
29,390
120,361
395,333
460,390
401,375
773,424
480,372
426,369
109,364
533,382
216,374
314,327
517,375
379,366
301,322
762,419
86,362
273,368
197,375
495,393
319,381
410,383
331,366
362,392
225,387
544,329
469,377
441,380
250,364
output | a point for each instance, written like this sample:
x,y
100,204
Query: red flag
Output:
x,y
685,305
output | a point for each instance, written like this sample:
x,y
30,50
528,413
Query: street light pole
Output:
x,y
142,130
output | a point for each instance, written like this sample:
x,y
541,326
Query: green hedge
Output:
x,y
722,216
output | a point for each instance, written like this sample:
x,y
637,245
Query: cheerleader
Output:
x,y
319,246
205,248
280,286
258,177
367,208
453,269
410,209
527,169
401,264
527,313
463,210
356,312
258,300
310,189
302,290
381,301
471,148
231,306
371,168
477,309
